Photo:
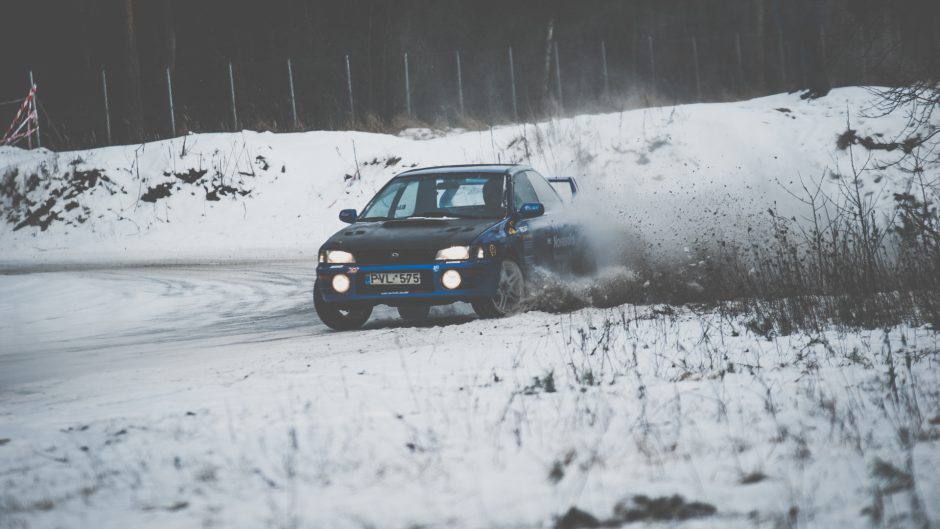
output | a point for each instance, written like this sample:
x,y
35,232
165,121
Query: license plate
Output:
x,y
396,278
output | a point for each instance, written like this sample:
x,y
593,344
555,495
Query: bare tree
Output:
x,y
547,74
134,114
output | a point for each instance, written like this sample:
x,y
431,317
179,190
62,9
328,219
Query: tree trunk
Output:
x,y
134,111
169,35
760,63
547,74
814,54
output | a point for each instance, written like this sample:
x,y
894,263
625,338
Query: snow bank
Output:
x,y
671,174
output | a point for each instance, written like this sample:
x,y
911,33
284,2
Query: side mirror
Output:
x,y
348,216
531,210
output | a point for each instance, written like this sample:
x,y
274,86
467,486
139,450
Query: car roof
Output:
x,y
466,168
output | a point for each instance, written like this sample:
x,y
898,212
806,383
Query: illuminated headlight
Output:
x,y
451,279
341,283
454,253
336,257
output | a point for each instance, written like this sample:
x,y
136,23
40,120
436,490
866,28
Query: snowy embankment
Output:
x,y
671,174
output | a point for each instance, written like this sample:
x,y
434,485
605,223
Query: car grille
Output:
x,y
395,257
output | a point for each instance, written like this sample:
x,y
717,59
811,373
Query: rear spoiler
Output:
x,y
572,183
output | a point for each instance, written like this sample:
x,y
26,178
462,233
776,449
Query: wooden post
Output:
x,y
512,84
349,90
740,58
32,83
561,98
459,83
293,101
604,65
407,88
107,108
231,86
169,92
652,61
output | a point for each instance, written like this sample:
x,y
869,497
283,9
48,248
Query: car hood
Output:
x,y
408,234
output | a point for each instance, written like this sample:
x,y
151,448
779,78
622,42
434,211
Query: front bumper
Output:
x,y
479,279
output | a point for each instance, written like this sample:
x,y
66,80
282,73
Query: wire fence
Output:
x,y
439,88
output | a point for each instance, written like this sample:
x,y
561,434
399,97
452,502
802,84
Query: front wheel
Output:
x,y
337,318
509,293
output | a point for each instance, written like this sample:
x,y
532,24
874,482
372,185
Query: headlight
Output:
x,y
454,253
336,257
341,283
451,279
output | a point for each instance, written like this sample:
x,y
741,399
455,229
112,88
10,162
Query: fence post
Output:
x,y
652,61
407,88
604,64
698,76
459,83
740,58
293,101
36,105
561,98
512,83
634,67
352,104
107,109
231,85
865,48
169,92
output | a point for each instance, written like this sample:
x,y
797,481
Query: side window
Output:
x,y
546,193
405,207
522,191
382,204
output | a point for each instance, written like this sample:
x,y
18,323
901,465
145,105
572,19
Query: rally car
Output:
x,y
438,235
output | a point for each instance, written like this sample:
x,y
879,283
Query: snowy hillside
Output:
x,y
670,173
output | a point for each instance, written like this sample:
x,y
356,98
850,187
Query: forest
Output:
x,y
119,71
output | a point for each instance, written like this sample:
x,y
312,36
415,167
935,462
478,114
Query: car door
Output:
x,y
537,233
564,237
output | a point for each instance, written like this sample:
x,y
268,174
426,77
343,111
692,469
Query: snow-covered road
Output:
x,y
67,323
60,324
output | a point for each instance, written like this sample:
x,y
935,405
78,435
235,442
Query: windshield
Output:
x,y
459,195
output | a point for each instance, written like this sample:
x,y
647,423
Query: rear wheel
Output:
x,y
337,318
509,293
414,312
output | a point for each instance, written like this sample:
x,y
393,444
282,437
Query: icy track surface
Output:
x,y
211,396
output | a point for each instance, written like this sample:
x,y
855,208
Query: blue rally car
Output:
x,y
437,235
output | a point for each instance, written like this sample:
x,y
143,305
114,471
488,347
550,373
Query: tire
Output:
x,y
509,295
414,313
336,318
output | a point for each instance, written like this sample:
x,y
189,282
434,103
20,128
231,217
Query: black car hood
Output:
x,y
408,234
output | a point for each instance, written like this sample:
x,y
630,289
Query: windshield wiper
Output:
x,y
440,213
434,213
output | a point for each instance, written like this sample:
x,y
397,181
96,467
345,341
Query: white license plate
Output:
x,y
396,278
